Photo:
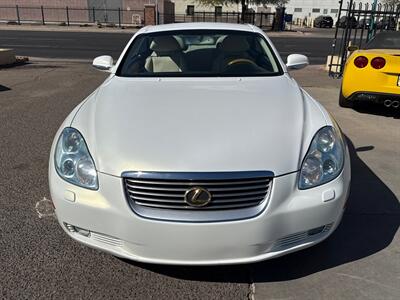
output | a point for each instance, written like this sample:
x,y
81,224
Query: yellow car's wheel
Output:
x,y
344,102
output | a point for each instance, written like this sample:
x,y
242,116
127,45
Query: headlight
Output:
x,y
324,159
73,161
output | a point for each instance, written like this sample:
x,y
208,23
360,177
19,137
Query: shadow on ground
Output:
x,y
34,65
368,226
4,88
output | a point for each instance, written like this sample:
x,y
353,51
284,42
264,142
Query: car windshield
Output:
x,y
385,40
208,53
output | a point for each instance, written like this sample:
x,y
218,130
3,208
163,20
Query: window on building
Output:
x,y
218,10
325,11
334,11
316,10
190,10
298,10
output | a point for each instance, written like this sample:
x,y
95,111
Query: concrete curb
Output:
x,y
60,60
73,28
7,57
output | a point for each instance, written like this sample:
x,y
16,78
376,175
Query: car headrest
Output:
x,y
165,44
181,42
234,43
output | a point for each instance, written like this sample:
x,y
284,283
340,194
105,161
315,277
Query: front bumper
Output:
x,y
283,227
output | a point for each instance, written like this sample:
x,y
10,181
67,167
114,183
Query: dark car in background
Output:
x,y
387,23
345,22
364,23
323,22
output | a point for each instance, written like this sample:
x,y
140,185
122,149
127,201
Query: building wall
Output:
x,y
29,10
180,7
131,4
140,4
135,8
46,3
325,7
55,10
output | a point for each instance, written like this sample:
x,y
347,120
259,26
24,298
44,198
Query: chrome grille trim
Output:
x,y
300,238
109,240
160,195
192,184
185,189
180,195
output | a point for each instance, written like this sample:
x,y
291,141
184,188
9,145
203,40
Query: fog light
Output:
x,y
70,227
81,231
315,231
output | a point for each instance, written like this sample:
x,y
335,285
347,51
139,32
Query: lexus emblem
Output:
x,y
197,197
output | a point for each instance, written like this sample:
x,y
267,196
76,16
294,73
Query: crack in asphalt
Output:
x,y
252,291
37,77
252,285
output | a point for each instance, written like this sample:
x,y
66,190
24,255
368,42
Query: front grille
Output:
x,y
167,191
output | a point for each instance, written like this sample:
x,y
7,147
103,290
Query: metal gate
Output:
x,y
104,11
357,24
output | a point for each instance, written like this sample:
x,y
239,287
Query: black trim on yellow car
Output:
x,y
371,97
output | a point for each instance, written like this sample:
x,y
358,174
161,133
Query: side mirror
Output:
x,y
103,63
352,48
297,62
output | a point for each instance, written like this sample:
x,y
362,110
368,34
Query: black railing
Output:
x,y
122,17
262,20
357,24
71,16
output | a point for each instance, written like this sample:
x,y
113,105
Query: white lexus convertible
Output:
x,y
199,148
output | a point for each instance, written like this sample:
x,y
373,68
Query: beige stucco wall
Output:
x,y
29,10
45,3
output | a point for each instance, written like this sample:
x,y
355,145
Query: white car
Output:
x,y
199,149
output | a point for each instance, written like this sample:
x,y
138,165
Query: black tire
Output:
x,y
343,102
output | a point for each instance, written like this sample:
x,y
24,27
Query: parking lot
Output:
x,y
360,260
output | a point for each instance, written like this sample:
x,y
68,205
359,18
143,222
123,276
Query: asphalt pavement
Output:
x,y
87,45
39,261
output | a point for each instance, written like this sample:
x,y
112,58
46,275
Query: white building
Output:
x,y
313,8
188,6
299,8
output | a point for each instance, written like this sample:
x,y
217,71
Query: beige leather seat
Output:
x,y
230,48
167,56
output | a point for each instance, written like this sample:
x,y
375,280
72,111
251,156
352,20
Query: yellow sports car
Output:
x,y
373,74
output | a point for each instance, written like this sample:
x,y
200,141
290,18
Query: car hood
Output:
x,y
199,124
